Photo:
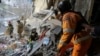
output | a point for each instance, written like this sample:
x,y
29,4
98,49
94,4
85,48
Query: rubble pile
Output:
x,y
46,30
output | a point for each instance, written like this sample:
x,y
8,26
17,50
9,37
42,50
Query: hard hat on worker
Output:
x,y
64,6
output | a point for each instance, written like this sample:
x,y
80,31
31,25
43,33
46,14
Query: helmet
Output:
x,y
64,6
9,22
18,21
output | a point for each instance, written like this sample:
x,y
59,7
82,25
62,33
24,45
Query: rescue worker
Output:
x,y
75,33
34,35
20,28
9,30
95,31
95,46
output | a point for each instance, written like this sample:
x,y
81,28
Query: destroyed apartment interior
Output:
x,y
49,28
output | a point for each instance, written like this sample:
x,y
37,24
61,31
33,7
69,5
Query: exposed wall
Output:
x,y
40,5
85,7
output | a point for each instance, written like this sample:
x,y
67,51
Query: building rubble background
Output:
x,y
12,11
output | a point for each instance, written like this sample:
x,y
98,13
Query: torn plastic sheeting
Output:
x,y
46,40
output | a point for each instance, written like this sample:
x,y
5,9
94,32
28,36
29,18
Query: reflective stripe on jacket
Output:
x,y
79,40
69,23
